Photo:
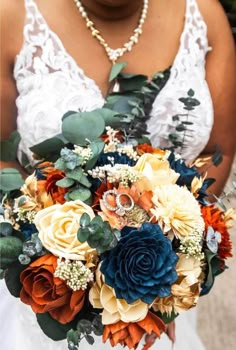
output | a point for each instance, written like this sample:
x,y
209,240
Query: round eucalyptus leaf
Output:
x,y
81,193
80,127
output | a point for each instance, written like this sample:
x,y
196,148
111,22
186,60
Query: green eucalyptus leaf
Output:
x,y
60,164
52,328
116,69
6,228
80,127
80,193
65,182
83,234
110,117
67,114
72,336
10,248
49,146
78,175
85,220
9,147
10,179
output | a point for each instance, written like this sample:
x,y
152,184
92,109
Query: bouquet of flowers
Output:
x,y
109,235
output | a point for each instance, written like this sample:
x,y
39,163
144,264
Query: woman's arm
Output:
x,y
221,78
12,18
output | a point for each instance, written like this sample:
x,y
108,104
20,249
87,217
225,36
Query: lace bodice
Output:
x,y
50,83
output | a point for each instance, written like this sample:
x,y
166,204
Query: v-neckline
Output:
x,y
82,72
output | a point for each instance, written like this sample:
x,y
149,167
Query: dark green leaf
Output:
x,y
10,179
217,157
213,269
131,82
191,93
52,328
80,127
96,147
84,326
44,148
9,147
165,317
116,69
12,279
6,228
65,182
10,248
90,339
78,175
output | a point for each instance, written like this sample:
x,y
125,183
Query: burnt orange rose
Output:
x,y
46,293
130,334
146,148
57,193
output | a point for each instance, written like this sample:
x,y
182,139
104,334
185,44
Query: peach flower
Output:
x,y
155,171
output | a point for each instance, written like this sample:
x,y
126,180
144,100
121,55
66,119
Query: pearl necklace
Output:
x,y
114,54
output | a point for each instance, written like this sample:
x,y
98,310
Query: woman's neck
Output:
x,y
111,10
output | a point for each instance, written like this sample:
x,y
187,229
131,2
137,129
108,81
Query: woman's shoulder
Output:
x,y
12,17
215,19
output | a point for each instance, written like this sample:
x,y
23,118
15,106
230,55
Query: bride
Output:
x,y
53,60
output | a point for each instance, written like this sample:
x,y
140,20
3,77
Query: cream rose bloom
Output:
x,y
58,226
102,296
155,171
175,208
185,291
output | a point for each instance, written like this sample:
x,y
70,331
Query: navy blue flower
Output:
x,y
187,175
27,229
142,265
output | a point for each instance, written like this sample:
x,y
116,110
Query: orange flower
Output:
x,y
215,217
129,334
137,216
46,293
57,193
146,148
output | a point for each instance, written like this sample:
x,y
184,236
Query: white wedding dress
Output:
x,y
50,83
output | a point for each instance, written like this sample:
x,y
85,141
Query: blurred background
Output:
x,y
230,9
217,311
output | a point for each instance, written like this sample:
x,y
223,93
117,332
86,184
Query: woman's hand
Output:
x,y
151,338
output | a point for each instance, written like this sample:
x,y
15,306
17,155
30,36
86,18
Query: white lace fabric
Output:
x,y
50,83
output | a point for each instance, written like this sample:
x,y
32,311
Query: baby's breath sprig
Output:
x,y
192,245
119,173
75,273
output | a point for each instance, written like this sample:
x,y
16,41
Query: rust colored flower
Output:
x,y
215,218
57,193
46,293
129,334
146,148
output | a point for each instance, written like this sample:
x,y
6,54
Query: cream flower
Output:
x,y
114,310
176,208
58,226
155,171
185,291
